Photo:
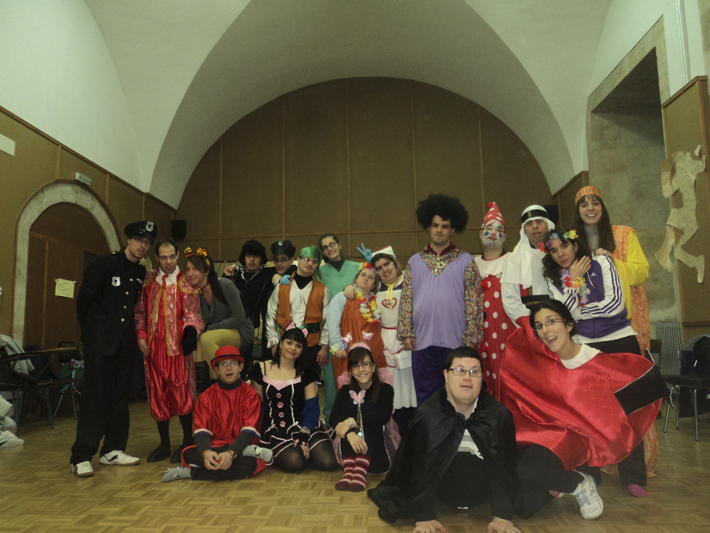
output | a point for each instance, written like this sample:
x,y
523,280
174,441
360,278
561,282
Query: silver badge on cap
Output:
x,y
149,226
281,243
115,281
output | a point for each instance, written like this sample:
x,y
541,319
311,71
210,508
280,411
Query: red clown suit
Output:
x,y
168,304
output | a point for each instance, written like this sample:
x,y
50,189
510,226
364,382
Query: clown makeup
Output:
x,y
493,234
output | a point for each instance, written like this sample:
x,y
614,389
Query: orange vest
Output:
x,y
314,310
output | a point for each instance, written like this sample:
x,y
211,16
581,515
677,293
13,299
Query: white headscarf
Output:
x,y
518,269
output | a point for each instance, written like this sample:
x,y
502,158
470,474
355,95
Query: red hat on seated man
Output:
x,y
227,352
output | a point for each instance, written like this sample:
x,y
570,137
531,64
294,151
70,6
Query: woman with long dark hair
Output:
x,y
359,415
226,323
291,427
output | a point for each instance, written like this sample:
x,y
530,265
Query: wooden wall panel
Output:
x,y
34,309
126,204
69,164
33,165
200,204
160,214
686,122
357,156
253,174
65,261
381,157
316,162
511,176
447,149
212,246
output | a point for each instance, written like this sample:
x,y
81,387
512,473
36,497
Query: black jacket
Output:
x,y
431,443
104,305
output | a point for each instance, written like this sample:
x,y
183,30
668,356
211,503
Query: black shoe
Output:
x,y
177,454
159,454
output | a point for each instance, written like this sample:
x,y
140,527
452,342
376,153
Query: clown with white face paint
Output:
x,y
497,326
523,283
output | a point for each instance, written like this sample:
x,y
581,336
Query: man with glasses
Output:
x,y
227,427
109,290
460,450
442,300
304,301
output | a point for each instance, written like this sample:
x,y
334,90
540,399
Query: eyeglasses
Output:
x,y
364,364
283,260
382,267
329,246
474,372
549,323
228,364
310,260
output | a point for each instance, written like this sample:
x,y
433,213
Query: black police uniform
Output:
x,y
109,291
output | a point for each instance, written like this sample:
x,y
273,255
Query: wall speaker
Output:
x,y
178,229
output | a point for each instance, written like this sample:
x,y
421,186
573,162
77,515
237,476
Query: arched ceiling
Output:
x,y
190,70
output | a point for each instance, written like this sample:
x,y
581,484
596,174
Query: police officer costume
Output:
x,y
110,288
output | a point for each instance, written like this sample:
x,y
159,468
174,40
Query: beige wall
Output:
x,y
39,161
354,157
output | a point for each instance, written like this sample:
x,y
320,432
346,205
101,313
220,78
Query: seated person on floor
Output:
x,y
574,407
359,415
459,449
227,422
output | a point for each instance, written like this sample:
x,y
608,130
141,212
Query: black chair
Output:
x,y
696,382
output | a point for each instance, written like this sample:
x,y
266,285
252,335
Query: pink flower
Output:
x,y
278,395
283,424
280,405
281,415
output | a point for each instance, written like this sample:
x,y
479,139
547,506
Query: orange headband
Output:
x,y
202,252
584,191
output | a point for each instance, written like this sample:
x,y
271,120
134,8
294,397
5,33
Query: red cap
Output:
x,y
224,353
493,214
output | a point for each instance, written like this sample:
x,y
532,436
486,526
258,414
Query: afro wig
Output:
x,y
447,207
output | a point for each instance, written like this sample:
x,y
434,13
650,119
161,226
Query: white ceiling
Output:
x,y
189,70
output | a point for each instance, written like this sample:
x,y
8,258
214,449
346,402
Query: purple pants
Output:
x,y
428,370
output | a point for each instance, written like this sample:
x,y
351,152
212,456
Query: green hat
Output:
x,y
310,251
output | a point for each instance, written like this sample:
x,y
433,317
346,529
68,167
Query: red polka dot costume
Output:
x,y
497,326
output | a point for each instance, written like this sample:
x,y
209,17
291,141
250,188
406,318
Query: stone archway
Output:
x,y
55,193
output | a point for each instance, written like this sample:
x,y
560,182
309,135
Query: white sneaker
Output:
x,y
83,469
260,453
119,457
590,503
175,473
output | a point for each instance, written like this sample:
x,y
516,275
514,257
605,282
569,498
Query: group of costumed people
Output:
x,y
508,377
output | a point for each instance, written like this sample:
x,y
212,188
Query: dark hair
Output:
x,y
462,351
552,270
557,307
207,265
253,248
293,334
606,235
357,356
447,207
163,242
320,243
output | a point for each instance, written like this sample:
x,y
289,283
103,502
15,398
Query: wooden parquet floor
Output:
x,y
39,494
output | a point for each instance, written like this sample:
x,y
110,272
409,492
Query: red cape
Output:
x,y
596,414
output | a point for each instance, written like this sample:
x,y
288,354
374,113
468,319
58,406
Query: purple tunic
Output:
x,y
439,313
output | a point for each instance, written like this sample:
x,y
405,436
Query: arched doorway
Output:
x,y
63,241
78,209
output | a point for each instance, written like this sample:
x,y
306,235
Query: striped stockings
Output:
x,y
355,478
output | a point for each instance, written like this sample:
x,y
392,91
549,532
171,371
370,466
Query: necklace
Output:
x,y
368,306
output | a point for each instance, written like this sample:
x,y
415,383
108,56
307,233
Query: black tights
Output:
x,y
292,460
164,430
